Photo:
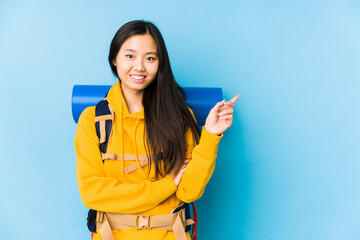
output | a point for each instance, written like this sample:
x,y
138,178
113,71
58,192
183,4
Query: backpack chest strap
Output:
x,y
143,160
127,157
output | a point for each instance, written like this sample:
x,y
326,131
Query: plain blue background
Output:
x,y
287,169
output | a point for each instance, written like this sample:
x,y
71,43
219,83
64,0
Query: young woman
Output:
x,y
155,158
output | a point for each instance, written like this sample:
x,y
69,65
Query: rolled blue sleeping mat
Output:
x,y
199,99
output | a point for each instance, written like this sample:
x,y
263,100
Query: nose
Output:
x,y
139,66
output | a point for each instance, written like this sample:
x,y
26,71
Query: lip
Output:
x,y
137,80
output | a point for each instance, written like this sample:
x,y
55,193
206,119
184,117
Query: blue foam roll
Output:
x,y
200,100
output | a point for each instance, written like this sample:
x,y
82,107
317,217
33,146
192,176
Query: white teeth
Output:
x,y
137,77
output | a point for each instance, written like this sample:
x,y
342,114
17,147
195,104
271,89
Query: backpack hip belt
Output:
x,y
176,222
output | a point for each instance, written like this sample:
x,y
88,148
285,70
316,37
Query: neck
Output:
x,y
133,100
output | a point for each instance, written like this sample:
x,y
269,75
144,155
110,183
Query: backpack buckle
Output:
x,y
142,222
99,217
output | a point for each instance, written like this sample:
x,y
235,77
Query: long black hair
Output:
x,y
167,118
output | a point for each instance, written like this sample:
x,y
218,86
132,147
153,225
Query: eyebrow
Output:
x,y
131,50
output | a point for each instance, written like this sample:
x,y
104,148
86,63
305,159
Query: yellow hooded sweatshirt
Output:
x,y
105,187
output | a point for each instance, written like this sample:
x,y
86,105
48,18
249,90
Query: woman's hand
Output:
x,y
178,176
220,117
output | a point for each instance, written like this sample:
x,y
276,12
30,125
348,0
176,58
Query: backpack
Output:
x,y
104,116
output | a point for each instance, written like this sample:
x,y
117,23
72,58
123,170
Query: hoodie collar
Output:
x,y
117,101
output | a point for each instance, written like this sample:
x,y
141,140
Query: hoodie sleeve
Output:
x,y
107,194
200,167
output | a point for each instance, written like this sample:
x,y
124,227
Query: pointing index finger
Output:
x,y
233,100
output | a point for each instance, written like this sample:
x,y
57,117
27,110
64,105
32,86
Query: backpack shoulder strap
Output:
x,y
104,117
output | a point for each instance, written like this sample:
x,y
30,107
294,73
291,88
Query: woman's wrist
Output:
x,y
217,134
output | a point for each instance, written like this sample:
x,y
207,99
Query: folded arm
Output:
x,y
108,194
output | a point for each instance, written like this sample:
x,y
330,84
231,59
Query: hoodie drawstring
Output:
x,y
135,149
134,143
122,144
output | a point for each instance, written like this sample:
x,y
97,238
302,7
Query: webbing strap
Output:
x,y
127,157
102,132
103,117
178,229
105,229
119,221
101,120
143,160
115,221
112,121
135,166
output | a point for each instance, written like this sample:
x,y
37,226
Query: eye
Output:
x,y
129,56
151,59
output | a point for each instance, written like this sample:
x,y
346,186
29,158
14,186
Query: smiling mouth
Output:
x,y
138,77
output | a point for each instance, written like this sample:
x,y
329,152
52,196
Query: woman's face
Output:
x,y
137,63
